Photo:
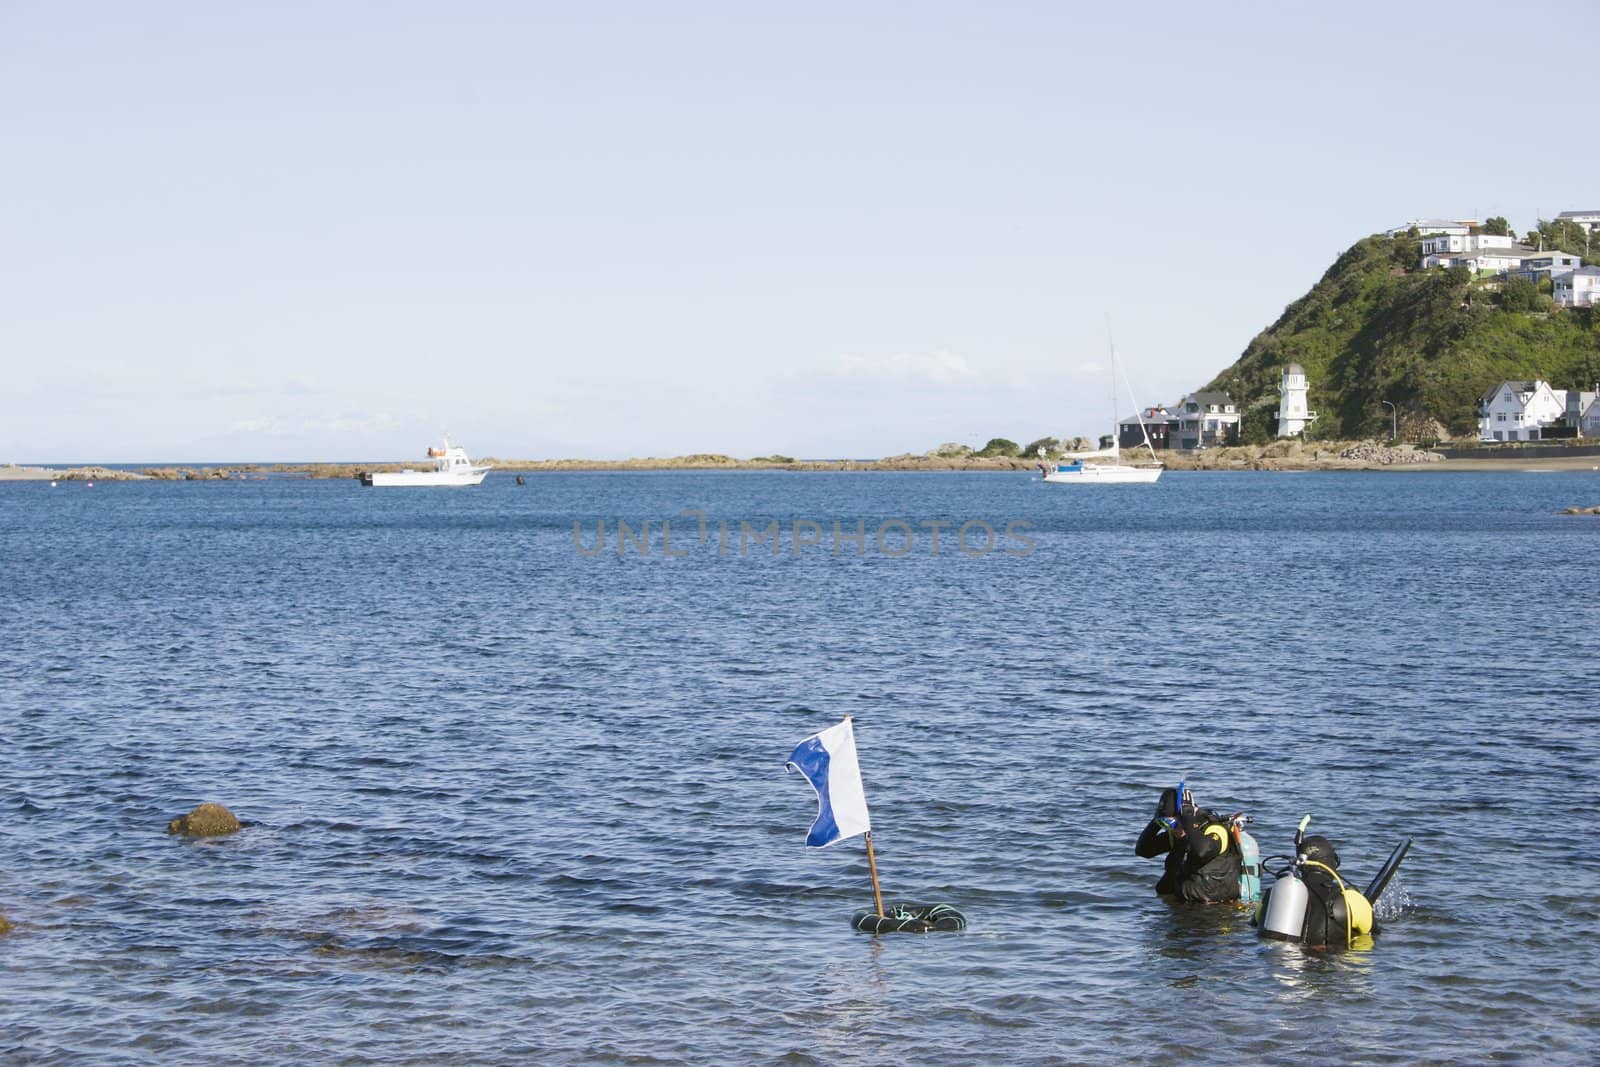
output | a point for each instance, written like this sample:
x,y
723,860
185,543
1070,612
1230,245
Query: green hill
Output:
x,y
1377,328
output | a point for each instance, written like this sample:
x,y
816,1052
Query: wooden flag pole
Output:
x,y
872,865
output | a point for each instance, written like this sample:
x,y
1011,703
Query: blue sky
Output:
x,y
334,230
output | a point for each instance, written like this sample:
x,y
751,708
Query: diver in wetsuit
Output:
x,y
1202,860
1337,914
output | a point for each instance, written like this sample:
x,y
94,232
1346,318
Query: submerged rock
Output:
x,y
207,820
5,927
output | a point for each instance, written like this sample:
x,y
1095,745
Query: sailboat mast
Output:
x,y
1116,429
1116,437
1144,431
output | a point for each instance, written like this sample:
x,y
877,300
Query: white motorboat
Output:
x,y
450,467
1083,468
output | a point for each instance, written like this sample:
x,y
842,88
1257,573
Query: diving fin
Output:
x,y
1380,881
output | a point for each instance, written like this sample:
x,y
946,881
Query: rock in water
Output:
x,y
208,820
5,927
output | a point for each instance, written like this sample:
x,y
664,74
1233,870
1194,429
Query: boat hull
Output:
x,y
1107,474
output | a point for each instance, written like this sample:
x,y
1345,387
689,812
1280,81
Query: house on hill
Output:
x,y
1578,288
1519,411
1541,265
1480,259
1472,242
1589,220
1429,227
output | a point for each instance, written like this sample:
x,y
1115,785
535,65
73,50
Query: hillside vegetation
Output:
x,y
1377,328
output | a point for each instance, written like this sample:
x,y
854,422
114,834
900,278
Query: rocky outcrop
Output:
x,y
1583,511
1373,454
207,820
1294,455
98,474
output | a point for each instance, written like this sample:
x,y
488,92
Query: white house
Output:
x,y
1204,420
1293,417
1485,261
1590,220
1480,261
1426,227
1517,411
1577,288
1466,242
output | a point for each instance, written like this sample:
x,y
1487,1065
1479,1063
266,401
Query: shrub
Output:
x,y
1519,294
1043,444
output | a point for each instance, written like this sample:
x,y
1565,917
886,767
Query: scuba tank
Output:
x,y
1286,908
1327,912
1286,902
1249,864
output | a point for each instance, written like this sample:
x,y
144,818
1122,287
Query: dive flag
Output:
x,y
828,760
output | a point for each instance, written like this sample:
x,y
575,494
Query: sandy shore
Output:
x,y
12,473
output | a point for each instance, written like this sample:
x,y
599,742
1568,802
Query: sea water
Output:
x,y
516,796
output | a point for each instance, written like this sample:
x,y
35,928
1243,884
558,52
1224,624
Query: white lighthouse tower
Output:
x,y
1293,417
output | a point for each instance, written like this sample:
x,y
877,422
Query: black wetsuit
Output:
x,y
1327,920
1199,867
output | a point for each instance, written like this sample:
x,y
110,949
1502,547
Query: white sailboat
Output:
x,y
1081,468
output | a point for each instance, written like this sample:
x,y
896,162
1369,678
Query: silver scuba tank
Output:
x,y
1285,917
1286,909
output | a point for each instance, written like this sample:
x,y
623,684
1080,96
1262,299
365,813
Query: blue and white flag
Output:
x,y
828,760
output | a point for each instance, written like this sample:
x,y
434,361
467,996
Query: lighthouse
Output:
x,y
1293,417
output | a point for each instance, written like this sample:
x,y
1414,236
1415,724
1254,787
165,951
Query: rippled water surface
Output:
x,y
509,802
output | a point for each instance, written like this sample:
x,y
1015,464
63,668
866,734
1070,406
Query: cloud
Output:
x,y
293,388
903,368
311,425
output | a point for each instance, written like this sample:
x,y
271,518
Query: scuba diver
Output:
x,y
1311,903
1205,855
